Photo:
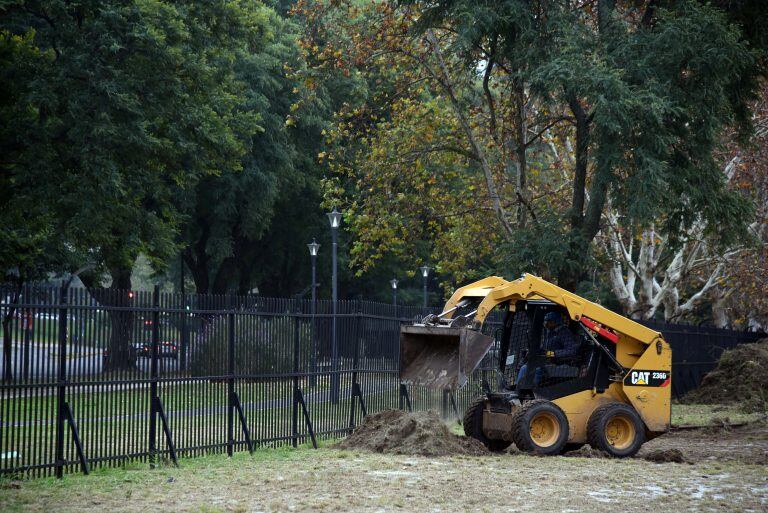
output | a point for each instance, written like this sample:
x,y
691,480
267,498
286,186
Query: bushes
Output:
x,y
263,345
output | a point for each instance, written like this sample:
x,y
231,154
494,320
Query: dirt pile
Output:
x,y
420,433
741,376
585,451
665,456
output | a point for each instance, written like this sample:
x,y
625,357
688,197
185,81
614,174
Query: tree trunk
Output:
x,y
720,316
582,159
521,127
120,353
569,275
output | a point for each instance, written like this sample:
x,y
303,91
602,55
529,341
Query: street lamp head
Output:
x,y
335,218
313,248
393,282
424,271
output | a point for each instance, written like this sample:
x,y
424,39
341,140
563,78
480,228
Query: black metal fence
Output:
x,y
100,377
696,350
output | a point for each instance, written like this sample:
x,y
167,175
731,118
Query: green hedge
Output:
x,y
262,346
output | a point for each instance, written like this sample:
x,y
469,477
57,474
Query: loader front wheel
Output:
x,y
473,426
616,429
540,427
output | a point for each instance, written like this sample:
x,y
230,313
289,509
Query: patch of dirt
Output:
x,y
586,451
741,376
418,433
744,444
665,456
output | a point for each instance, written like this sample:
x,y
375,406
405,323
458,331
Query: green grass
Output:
x,y
287,479
708,414
126,399
115,422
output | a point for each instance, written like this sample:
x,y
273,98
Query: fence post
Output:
x,y
355,387
27,324
184,333
61,385
153,376
296,367
231,378
313,328
444,405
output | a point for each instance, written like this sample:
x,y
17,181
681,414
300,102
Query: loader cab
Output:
x,y
526,369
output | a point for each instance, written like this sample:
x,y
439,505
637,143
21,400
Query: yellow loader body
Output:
x,y
630,364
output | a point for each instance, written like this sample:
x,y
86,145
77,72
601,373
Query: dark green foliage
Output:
x,y
651,91
125,104
263,345
230,216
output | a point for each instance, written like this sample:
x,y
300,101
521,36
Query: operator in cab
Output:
x,y
560,346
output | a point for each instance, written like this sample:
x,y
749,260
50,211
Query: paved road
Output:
x,y
42,361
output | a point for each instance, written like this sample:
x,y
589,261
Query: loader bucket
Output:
x,y
440,357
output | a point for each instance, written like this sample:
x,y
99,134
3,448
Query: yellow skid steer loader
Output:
x,y
585,375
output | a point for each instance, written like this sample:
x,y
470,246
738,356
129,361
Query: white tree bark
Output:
x,y
649,278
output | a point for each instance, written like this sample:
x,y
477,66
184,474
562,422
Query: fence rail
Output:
x,y
99,377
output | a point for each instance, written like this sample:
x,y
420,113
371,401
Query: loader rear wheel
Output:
x,y
473,426
540,427
616,429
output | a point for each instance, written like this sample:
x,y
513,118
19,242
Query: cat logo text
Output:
x,y
647,378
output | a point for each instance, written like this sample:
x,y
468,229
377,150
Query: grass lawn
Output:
x,y
707,414
330,480
286,479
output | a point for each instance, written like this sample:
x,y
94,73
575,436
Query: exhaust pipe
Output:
x,y
439,356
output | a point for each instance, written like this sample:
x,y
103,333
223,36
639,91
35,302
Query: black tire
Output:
x,y
626,425
473,426
550,417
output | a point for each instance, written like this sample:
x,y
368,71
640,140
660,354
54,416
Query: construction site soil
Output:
x,y
746,444
425,434
419,433
741,376
723,469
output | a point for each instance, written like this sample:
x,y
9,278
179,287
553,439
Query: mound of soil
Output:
x,y
585,451
420,433
665,456
741,376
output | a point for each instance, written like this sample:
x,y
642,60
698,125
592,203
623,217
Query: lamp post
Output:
x,y
334,218
184,335
314,247
393,282
425,275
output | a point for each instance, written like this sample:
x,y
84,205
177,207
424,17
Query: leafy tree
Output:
x,y
562,109
129,102
230,214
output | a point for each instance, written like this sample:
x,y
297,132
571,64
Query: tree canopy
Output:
x,y
602,144
541,117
